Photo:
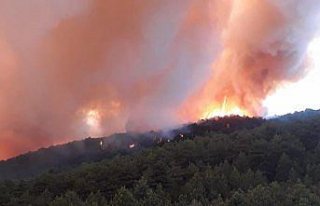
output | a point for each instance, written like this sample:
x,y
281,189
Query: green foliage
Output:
x,y
69,199
123,197
96,199
274,163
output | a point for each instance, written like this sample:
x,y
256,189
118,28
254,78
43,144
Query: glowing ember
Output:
x,y
225,109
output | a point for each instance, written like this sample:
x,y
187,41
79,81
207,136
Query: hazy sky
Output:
x,y
299,95
77,68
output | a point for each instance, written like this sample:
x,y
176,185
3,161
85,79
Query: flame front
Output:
x,y
78,72
223,109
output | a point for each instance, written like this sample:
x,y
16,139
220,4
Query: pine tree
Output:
x,y
283,168
96,199
123,197
69,199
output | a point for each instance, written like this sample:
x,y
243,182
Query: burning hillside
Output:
x,y
73,68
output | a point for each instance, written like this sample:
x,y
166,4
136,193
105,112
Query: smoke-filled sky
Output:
x,y
76,68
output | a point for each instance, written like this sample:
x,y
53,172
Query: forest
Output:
x,y
221,162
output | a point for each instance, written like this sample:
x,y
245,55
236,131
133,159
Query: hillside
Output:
x,y
227,161
70,155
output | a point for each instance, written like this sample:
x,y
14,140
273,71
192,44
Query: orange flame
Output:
x,y
225,109
93,118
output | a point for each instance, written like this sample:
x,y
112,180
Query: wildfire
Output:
x,y
93,118
225,109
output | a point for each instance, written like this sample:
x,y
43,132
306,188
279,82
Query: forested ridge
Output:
x,y
72,154
227,161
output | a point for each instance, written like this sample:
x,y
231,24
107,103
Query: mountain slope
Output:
x,y
273,162
69,155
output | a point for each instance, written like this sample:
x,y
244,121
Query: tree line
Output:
x,y
274,163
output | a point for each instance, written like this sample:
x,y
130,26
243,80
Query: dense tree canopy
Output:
x,y
275,162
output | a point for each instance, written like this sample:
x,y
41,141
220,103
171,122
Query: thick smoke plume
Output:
x,y
73,68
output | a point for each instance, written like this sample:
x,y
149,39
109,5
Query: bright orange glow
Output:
x,y
84,68
225,109
93,118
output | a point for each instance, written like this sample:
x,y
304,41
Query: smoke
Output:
x,y
264,45
73,68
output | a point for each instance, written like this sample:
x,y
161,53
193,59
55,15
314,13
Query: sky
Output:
x,y
298,96
77,68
